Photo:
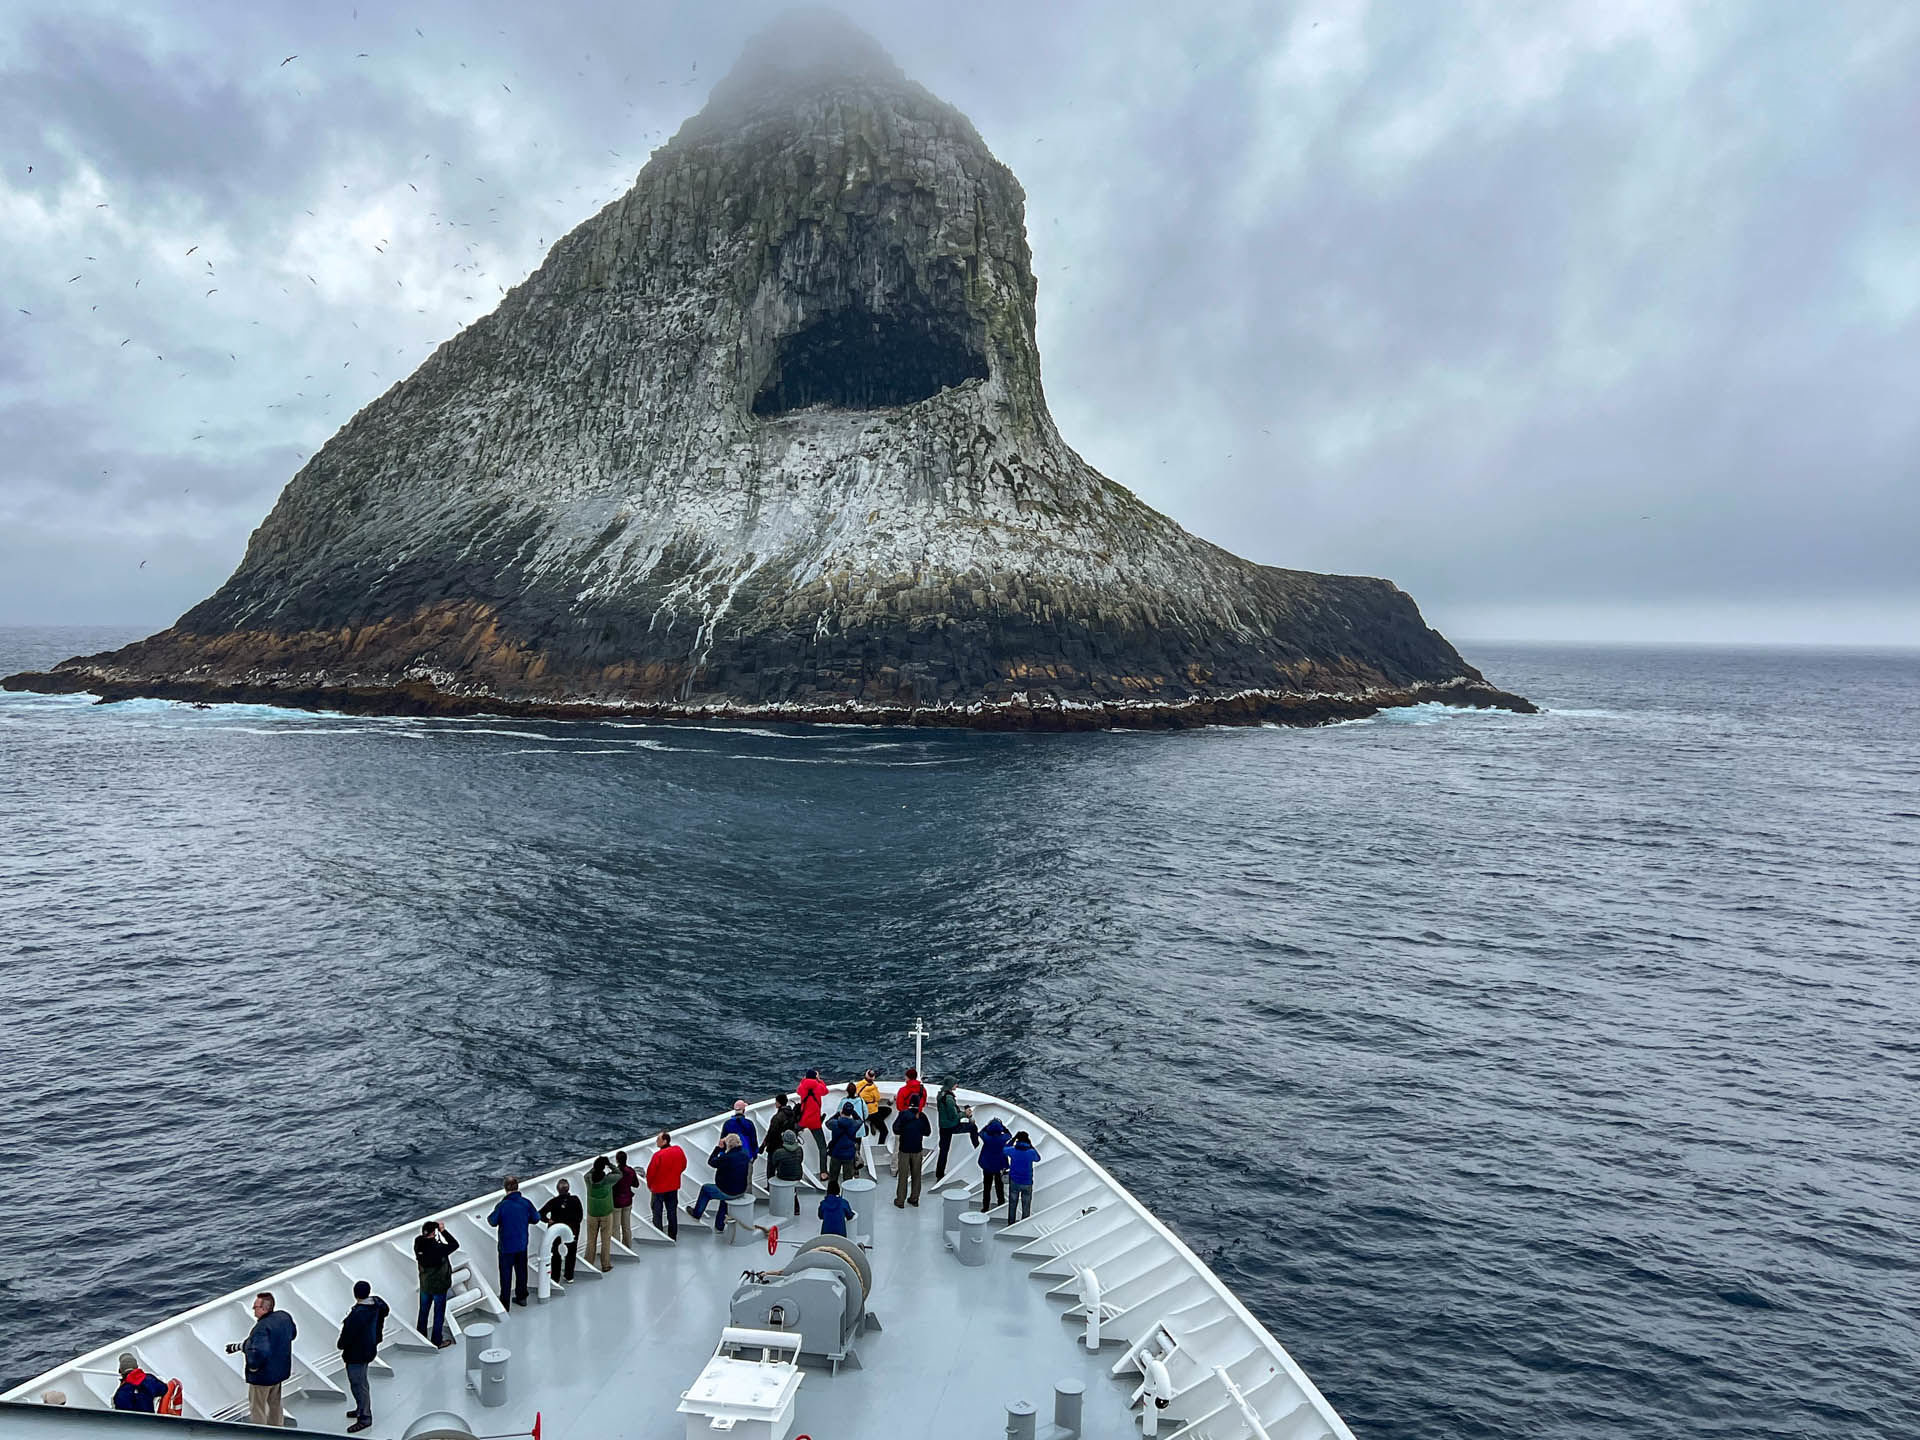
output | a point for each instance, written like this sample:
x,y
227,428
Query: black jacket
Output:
x,y
564,1210
362,1330
431,1254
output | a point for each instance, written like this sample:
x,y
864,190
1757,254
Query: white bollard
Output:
x,y
1090,1297
862,1195
786,1198
972,1248
493,1377
544,1277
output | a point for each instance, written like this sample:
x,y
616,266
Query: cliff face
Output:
x,y
769,431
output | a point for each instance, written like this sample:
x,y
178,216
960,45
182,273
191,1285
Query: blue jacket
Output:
x,y
511,1217
732,1169
269,1348
749,1133
834,1214
993,1146
1020,1160
845,1131
140,1395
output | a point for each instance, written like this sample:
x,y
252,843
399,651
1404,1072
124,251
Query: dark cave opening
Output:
x,y
854,360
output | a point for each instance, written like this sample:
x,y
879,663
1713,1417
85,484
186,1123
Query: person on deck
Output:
x,y
911,1092
623,1189
993,1162
1020,1158
732,1177
512,1217
564,1209
740,1123
811,1092
910,1131
664,1168
789,1162
433,1251
360,1336
139,1391
843,1149
600,1183
878,1106
835,1212
269,1359
955,1119
779,1123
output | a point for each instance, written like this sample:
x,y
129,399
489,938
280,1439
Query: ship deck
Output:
x,y
611,1354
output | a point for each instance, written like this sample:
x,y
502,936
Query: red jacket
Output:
x,y
911,1093
811,1092
664,1170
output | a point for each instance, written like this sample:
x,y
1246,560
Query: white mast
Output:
x,y
919,1033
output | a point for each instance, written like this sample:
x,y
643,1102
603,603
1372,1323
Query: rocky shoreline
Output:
x,y
421,698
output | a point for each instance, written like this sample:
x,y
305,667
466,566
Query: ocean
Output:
x,y
1549,1076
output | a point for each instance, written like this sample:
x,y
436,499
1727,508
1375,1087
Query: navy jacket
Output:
x,y
993,1146
834,1214
512,1216
362,1330
731,1169
911,1128
139,1391
845,1132
749,1133
269,1348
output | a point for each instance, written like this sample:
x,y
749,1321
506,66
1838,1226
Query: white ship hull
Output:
x,y
612,1355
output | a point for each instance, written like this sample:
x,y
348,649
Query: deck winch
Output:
x,y
821,1296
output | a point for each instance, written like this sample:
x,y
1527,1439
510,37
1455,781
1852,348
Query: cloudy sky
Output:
x,y
1594,321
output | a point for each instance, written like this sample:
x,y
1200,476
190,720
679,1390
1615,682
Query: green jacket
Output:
x,y
949,1110
600,1193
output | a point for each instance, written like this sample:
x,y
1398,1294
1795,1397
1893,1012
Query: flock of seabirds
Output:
x,y
469,269
840,1128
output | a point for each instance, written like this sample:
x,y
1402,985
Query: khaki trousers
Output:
x,y
623,1224
909,1163
263,1405
599,1246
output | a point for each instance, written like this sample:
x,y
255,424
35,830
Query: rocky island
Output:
x,y
766,438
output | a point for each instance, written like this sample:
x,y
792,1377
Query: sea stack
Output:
x,y
766,437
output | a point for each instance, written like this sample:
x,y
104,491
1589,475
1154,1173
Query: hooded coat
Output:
x,y
993,1146
812,1091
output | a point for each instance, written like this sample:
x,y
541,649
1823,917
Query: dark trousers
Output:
x,y
666,1212
946,1139
437,1304
877,1123
820,1144
563,1263
991,1181
839,1169
362,1396
513,1273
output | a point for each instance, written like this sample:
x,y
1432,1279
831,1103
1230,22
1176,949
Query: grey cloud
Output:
x,y
1367,289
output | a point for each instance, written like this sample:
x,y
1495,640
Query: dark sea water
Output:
x,y
1545,1076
